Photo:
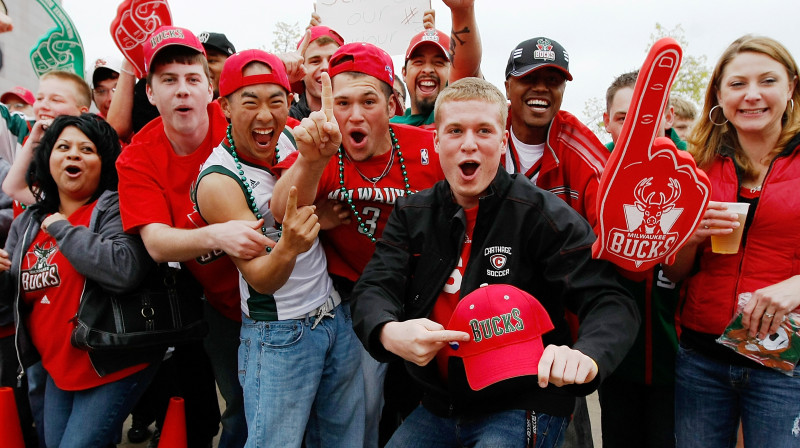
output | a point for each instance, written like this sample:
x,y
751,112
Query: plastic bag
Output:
x,y
779,350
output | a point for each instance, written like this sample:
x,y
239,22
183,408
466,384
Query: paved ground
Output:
x,y
594,412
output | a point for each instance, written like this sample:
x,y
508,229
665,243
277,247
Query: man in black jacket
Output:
x,y
484,226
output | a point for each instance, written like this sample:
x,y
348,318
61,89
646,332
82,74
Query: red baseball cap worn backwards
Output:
x,y
506,325
232,78
430,37
23,94
364,58
166,36
320,31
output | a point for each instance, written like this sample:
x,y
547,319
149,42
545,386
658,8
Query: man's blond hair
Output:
x,y
683,108
83,97
467,89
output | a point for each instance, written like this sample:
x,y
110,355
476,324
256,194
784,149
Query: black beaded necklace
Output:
x,y
251,199
349,199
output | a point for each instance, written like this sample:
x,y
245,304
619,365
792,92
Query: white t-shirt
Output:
x,y
527,156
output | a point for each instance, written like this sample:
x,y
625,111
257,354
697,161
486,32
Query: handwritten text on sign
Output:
x,y
389,24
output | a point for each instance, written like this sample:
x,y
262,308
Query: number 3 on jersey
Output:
x,y
369,217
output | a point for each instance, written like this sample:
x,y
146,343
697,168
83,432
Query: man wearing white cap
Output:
x,y
104,82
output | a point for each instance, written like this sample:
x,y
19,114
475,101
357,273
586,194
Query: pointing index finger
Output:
x,y
291,203
327,96
304,43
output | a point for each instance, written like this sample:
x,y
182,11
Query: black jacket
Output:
x,y
550,257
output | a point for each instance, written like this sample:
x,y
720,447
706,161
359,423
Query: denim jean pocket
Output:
x,y
283,334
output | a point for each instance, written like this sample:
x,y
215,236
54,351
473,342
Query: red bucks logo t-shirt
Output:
x,y
51,289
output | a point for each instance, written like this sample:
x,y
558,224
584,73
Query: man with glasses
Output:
x,y
104,81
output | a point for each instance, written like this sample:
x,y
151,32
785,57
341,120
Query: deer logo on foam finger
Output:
x,y
651,195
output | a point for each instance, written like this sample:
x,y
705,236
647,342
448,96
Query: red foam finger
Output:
x,y
136,20
651,195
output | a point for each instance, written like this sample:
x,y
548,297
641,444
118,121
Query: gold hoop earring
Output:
x,y
711,112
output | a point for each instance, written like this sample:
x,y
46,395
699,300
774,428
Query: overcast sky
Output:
x,y
604,38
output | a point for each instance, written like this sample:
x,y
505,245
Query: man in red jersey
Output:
x,y
156,172
375,164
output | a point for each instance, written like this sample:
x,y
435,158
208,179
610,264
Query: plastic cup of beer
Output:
x,y
729,243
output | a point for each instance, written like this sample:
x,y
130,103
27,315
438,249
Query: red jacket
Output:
x,y
571,165
770,251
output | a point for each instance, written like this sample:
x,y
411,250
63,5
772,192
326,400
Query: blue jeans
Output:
x,y
91,417
37,380
222,347
297,380
374,373
711,397
506,429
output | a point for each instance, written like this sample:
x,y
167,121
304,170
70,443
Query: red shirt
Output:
x,y
347,247
52,289
154,187
451,293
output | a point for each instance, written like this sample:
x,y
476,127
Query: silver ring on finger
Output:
x,y
768,315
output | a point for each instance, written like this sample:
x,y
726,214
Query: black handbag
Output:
x,y
126,329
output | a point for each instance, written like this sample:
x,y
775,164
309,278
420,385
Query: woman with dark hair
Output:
x,y
748,142
70,241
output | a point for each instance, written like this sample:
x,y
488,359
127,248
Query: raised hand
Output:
x,y
429,19
300,225
293,60
318,136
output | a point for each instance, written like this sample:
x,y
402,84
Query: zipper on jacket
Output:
x,y
16,307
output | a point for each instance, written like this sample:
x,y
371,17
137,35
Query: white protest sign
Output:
x,y
389,24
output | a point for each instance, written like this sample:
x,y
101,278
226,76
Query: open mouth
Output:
x,y
468,168
358,136
183,109
262,136
427,86
73,170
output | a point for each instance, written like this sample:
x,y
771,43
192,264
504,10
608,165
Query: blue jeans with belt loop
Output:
x,y
711,397
300,380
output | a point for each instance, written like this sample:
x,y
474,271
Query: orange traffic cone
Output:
x,y
173,434
9,420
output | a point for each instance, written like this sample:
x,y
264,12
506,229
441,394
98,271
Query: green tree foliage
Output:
x,y
694,74
285,37
690,82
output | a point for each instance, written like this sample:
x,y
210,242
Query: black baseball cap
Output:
x,y
537,53
217,41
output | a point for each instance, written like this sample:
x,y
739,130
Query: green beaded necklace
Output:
x,y
251,199
395,148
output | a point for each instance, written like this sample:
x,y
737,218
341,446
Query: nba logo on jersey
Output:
x,y
423,155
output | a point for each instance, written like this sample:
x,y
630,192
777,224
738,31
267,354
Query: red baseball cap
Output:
x,y
320,31
21,92
506,325
364,58
231,79
430,37
166,36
